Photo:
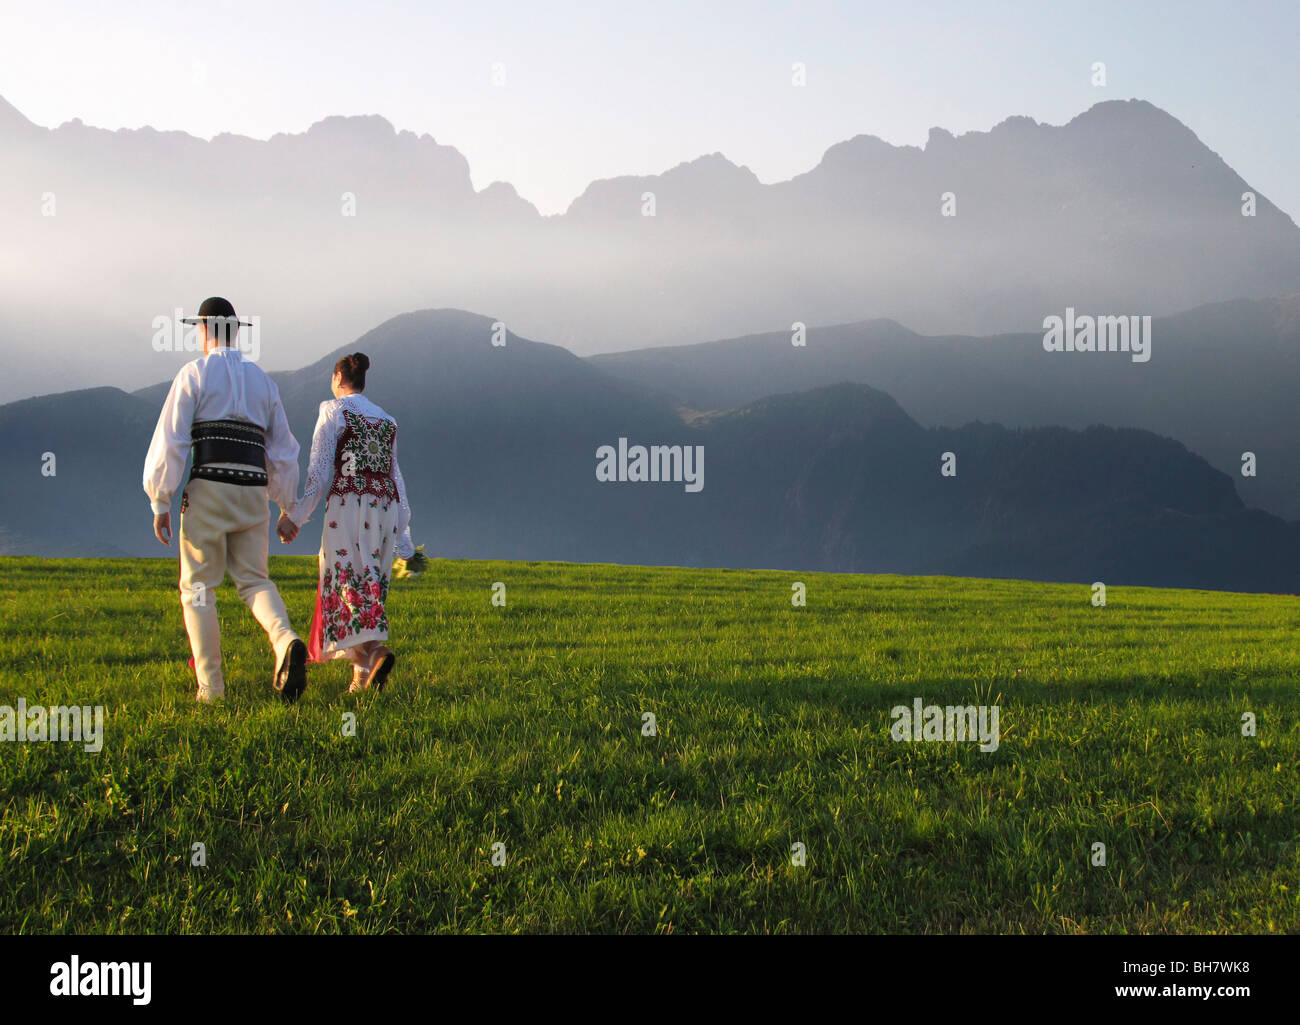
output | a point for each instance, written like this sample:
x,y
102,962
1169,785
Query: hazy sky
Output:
x,y
594,90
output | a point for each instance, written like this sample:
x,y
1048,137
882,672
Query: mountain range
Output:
x,y
499,448
324,233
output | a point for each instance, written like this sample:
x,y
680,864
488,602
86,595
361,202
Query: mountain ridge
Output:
x,y
323,233
955,379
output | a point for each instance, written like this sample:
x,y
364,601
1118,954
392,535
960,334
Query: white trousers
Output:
x,y
224,526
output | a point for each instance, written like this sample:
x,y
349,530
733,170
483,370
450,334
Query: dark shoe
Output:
x,y
384,661
291,680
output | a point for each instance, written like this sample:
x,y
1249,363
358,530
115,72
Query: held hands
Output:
x,y
286,529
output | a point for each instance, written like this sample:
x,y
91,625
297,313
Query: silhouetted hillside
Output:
x,y
499,447
1222,379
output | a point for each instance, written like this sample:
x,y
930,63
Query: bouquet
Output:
x,y
411,567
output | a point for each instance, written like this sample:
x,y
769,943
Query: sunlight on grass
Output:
x,y
522,726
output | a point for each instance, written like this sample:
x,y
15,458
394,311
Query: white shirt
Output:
x,y
320,471
220,386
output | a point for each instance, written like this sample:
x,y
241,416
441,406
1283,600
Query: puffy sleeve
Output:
x,y
170,447
405,547
320,471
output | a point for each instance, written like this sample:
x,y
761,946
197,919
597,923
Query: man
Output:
x,y
229,413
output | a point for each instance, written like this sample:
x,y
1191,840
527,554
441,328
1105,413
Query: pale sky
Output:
x,y
594,90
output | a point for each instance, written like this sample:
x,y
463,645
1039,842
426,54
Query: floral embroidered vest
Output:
x,y
363,460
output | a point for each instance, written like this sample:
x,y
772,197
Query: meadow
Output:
x,y
522,726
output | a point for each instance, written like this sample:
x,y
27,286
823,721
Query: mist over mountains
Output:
x,y
498,446
1122,210
822,456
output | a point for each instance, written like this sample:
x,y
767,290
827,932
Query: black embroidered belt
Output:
x,y
228,441
230,475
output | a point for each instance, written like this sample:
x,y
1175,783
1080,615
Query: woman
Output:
x,y
366,521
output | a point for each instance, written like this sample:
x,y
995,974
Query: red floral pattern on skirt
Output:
x,y
358,543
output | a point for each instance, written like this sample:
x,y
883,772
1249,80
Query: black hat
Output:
x,y
216,308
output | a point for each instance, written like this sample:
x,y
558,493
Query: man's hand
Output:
x,y
162,527
286,529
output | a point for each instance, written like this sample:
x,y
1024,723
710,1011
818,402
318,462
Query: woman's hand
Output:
x,y
286,528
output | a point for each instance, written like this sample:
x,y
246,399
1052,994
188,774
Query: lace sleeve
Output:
x,y
281,455
320,471
405,547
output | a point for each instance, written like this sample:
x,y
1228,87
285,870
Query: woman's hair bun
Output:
x,y
353,369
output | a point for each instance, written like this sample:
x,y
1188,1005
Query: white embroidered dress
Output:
x,y
366,522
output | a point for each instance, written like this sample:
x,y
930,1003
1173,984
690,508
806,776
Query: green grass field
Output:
x,y
523,725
